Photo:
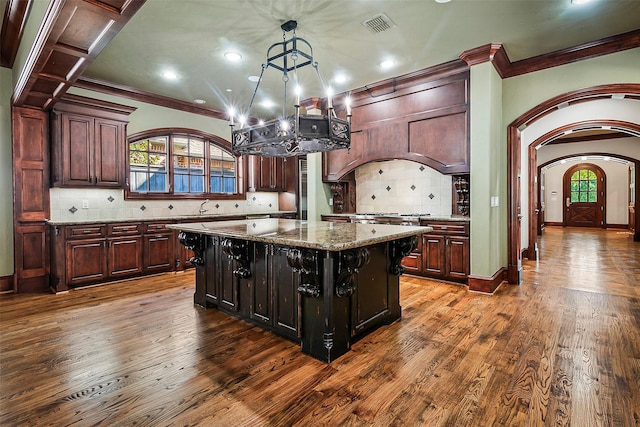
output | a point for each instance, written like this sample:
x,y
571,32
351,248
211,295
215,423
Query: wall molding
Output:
x,y
6,284
497,55
487,284
13,22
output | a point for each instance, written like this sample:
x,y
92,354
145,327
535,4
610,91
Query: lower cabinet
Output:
x,y
125,256
94,253
268,295
159,247
86,261
443,253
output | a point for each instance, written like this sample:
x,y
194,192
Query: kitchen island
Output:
x,y
321,284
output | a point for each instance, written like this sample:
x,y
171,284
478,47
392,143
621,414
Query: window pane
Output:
x,y
574,185
575,176
138,181
593,197
180,183
197,166
197,184
592,175
158,181
593,185
575,196
583,197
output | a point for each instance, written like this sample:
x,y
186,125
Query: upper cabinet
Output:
x,y
88,143
424,118
267,173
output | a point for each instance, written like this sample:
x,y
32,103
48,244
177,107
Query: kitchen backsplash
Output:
x,y
404,187
104,204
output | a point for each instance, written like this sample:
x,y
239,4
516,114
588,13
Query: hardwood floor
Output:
x,y
561,349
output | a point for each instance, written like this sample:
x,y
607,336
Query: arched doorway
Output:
x,y
522,216
584,196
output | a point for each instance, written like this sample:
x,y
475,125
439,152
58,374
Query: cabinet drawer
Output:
x,y
86,231
156,227
115,230
412,262
449,228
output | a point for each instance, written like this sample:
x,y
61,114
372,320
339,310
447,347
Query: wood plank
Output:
x,y
554,351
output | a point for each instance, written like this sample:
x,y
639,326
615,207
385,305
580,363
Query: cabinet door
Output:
x,y
457,258
413,261
125,256
86,261
108,149
271,173
286,299
159,252
433,255
77,137
260,299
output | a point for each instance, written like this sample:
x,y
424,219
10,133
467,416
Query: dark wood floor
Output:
x,y
561,349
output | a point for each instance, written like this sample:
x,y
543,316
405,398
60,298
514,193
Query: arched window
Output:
x,y
181,163
584,186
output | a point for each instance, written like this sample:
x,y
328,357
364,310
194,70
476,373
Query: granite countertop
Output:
x,y
321,235
458,218
195,218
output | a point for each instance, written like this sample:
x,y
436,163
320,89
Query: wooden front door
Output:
x,y
584,195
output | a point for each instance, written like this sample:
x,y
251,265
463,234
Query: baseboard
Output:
x,y
6,283
553,224
487,284
622,226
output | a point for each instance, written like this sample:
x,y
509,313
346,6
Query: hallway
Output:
x,y
586,259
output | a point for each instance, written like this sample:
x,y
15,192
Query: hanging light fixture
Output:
x,y
297,134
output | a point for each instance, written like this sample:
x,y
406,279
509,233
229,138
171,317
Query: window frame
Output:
x,y
240,165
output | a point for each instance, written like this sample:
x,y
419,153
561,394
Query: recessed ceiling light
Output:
x,y
199,101
229,90
267,103
387,63
580,1
170,75
340,78
254,79
443,1
233,56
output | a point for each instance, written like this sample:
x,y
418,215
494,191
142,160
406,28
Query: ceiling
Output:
x,y
190,37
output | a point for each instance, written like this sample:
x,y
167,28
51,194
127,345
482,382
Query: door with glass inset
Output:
x,y
584,196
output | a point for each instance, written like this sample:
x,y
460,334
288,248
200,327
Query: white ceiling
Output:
x,y
191,37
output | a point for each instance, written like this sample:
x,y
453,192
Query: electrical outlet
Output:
x,y
85,204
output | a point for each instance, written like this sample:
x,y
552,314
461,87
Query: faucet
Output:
x,y
202,210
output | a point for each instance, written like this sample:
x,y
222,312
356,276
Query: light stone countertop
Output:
x,y
452,218
322,235
195,218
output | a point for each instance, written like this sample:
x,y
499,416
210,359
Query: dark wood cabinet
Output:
x,y
125,256
267,296
426,117
159,247
445,251
86,261
88,143
267,173
433,255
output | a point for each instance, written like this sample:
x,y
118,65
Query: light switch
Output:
x,y
85,204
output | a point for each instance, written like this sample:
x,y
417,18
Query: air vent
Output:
x,y
379,23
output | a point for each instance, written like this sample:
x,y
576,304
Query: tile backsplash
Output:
x,y
404,187
70,204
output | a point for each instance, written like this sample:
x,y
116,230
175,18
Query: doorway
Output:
x,y
584,194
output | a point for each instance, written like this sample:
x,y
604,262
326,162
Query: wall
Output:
x,y
522,93
488,186
6,176
617,174
617,191
404,187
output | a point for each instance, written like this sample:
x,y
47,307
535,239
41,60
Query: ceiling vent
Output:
x,y
379,23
